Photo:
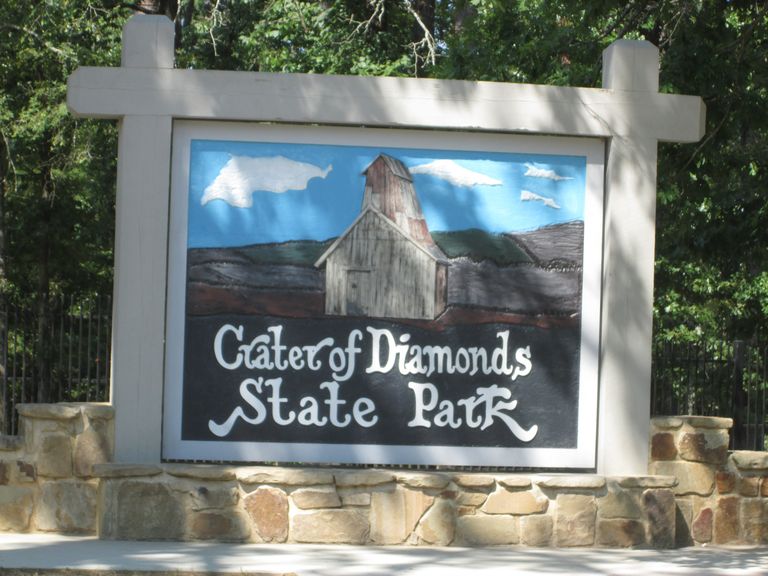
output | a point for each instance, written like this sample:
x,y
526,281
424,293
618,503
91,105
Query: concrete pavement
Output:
x,y
41,552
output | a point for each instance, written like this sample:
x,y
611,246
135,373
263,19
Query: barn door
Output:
x,y
359,291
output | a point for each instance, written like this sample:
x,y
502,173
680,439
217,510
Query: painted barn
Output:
x,y
386,264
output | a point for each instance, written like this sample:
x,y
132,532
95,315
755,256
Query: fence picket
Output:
x,y
76,343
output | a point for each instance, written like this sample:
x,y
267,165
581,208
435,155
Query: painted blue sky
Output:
x,y
243,193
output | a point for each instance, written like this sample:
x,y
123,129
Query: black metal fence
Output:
x,y
62,353
715,379
56,353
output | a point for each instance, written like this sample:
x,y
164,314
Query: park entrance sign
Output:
x,y
381,270
382,296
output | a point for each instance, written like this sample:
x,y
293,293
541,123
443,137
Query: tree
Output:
x,y
58,172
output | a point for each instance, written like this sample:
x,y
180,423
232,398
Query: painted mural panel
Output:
x,y
348,297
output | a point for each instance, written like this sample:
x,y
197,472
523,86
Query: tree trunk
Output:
x,y
3,309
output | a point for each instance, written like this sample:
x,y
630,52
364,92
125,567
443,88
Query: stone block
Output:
x,y
356,499
666,422
214,496
201,472
749,486
115,471
660,513
754,521
34,431
750,460
54,456
708,446
764,487
620,533
68,507
573,482
438,525
330,527
536,530
726,527
575,520
474,480
61,411
646,481
91,447
473,499
363,478
16,504
424,481
148,511
94,411
223,526
503,501
725,482
267,507
5,473
711,422
619,503
313,498
394,515
483,530
514,481
284,476
701,528
663,446
692,477
465,511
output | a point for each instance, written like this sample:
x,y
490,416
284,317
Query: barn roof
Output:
x,y
394,165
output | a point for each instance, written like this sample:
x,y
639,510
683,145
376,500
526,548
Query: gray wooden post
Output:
x,y
628,265
141,235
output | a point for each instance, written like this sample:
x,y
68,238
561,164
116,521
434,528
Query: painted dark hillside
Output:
x,y
556,245
297,252
532,273
259,279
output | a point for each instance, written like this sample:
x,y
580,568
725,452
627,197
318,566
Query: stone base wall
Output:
x,y
57,476
722,496
46,473
382,507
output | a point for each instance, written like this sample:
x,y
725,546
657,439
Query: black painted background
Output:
x,y
547,397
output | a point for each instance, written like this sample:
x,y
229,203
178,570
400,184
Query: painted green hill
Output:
x,y
479,245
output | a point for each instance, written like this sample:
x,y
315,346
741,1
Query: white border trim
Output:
x,y
583,456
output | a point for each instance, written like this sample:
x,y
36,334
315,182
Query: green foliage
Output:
x,y
58,172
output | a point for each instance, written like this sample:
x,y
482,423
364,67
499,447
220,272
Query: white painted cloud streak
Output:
x,y
536,172
457,175
244,175
528,196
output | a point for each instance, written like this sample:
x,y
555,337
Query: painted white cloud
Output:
x,y
242,176
528,196
536,172
457,175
